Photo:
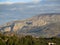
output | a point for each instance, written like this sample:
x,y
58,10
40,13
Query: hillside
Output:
x,y
43,25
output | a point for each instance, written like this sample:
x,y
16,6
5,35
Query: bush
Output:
x,y
27,40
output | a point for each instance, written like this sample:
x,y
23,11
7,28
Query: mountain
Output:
x,y
42,25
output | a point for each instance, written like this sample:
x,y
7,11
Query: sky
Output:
x,y
15,0
19,0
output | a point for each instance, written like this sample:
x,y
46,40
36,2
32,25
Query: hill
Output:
x,y
43,25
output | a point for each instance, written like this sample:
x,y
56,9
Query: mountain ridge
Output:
x,y
44,25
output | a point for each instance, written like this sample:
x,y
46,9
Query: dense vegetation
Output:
x,y
27,40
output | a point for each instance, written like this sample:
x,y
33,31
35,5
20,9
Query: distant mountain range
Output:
x,y
43,25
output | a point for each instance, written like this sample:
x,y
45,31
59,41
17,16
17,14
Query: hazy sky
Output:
x,y
35,1
19,0
15,0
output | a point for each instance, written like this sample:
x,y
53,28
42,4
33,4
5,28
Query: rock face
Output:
x,y
43,25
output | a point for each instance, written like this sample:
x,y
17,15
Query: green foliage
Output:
x,y
2,42
27,40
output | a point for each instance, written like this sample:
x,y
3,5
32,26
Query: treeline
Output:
x,y
27,40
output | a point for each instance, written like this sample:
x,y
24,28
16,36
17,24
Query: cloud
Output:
x,y
52,0
11,2
6,2
36,1
21,9
13,9
32,6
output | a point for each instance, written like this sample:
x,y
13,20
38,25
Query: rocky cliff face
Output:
x,y
44,25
